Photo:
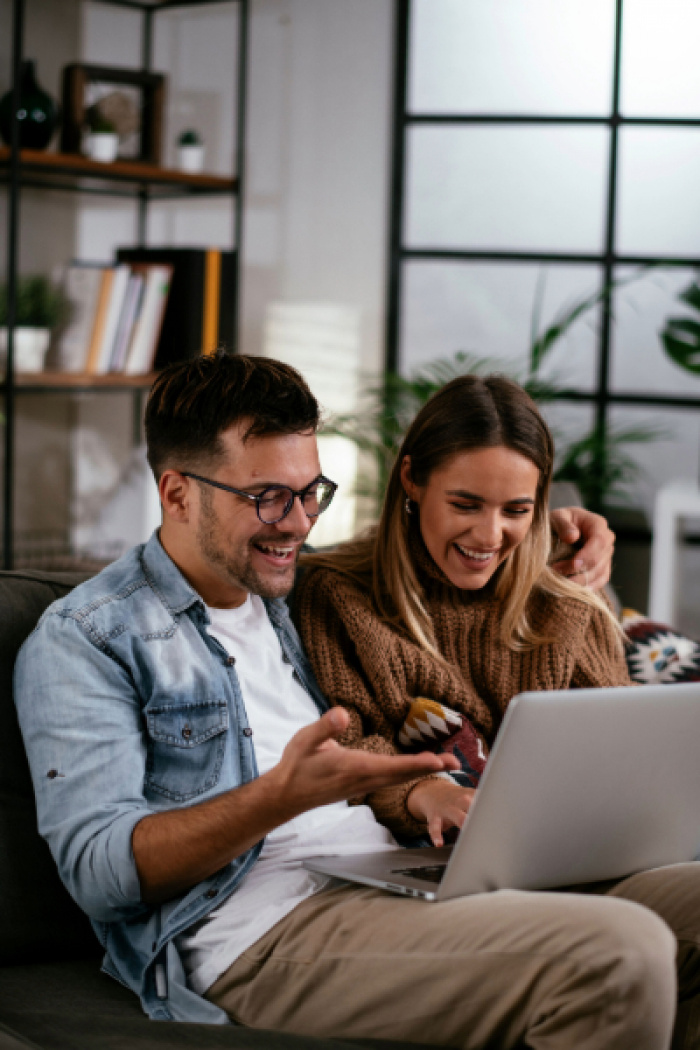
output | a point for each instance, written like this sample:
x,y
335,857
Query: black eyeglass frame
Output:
x,y
300,494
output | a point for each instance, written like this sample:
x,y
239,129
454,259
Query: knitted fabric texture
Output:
x,y
375,671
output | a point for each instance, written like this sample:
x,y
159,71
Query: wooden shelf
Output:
x,y
43,382
73,171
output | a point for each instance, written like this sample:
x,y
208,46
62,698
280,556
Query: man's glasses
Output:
x,y
275,502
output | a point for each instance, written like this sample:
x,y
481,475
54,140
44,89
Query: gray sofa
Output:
x,y
52,994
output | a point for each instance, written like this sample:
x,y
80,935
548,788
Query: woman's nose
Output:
x,y
488,531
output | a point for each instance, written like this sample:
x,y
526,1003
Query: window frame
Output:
x,y
607,261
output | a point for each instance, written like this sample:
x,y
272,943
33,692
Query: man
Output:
x,y
185,763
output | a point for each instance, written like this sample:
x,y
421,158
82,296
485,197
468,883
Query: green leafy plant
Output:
x,y
38,303
189,138
681,335
597,462
599,465
98,123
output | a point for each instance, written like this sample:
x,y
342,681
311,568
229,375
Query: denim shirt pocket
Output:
x,y
186,748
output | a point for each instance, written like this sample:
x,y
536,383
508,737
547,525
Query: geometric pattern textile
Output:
x,y
657,653
431,726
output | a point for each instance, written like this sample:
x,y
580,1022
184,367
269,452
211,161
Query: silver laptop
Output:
x,y
581,785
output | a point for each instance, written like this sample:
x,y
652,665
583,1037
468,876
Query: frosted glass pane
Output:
x,y
568,422
672,457
513,56
659,177
639,362
486,309
660,69
536,188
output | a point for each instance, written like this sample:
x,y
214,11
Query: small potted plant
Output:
x,y
103,140
39,307
190,151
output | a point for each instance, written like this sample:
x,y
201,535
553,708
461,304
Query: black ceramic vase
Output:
x,y
38,113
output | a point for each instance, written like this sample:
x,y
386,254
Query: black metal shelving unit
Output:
x,y
25,169
602,397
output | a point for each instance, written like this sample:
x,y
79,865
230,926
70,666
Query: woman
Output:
x,y
451,598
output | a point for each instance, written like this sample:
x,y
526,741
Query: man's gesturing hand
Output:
x,y
177,848
592,564
442,804
315,770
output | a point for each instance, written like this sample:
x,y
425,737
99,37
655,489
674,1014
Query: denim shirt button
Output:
x,y
247,732
211,893
231,661
187,732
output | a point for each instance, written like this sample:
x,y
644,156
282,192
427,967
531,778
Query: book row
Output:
x,y
150,308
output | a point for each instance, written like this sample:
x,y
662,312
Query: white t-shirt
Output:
x,y
277,706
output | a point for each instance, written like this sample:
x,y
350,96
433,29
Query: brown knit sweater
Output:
x,y
375,672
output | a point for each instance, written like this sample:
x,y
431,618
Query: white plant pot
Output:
x,y
103,147
30,346
190,158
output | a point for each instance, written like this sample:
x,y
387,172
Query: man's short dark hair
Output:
x,y
192,403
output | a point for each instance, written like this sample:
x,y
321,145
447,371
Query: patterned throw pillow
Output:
x,y
431,726
658,653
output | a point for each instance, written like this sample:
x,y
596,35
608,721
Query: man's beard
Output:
x,y
236,564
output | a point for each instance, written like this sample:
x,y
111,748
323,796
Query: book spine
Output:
x,y
127,320
116,302
100,320
82,284
212,297
142,350
227,302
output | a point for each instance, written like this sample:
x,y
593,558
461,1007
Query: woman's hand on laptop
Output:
x,y
442,804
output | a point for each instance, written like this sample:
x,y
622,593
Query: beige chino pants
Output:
x,y
592,970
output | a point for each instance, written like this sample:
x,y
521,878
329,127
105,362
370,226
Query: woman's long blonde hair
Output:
x,y
467,414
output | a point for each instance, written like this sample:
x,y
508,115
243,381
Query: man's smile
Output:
x,y
279,554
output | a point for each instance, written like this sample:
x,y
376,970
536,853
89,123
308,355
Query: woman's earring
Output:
x,y
408,506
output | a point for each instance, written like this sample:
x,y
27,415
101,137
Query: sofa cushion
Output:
x,y
71,1005
657,653
38,919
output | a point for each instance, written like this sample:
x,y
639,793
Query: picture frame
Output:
x,y
129,99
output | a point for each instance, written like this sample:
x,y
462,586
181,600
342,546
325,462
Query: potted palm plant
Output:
x,y
39,307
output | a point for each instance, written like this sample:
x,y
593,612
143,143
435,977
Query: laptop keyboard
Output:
x,y
429,873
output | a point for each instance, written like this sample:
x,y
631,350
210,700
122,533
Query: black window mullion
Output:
x,y
603,378
402,15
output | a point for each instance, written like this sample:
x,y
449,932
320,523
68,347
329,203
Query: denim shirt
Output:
x,y
128,707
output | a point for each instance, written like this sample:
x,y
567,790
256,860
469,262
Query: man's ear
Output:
x,y
175,491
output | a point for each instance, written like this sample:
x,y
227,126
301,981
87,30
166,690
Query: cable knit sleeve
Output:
x,y
601,657
344,638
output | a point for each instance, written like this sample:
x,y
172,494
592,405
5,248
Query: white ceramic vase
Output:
x,y
190,158
103,146
30,346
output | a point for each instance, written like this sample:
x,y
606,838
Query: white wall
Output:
x,y
318,160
